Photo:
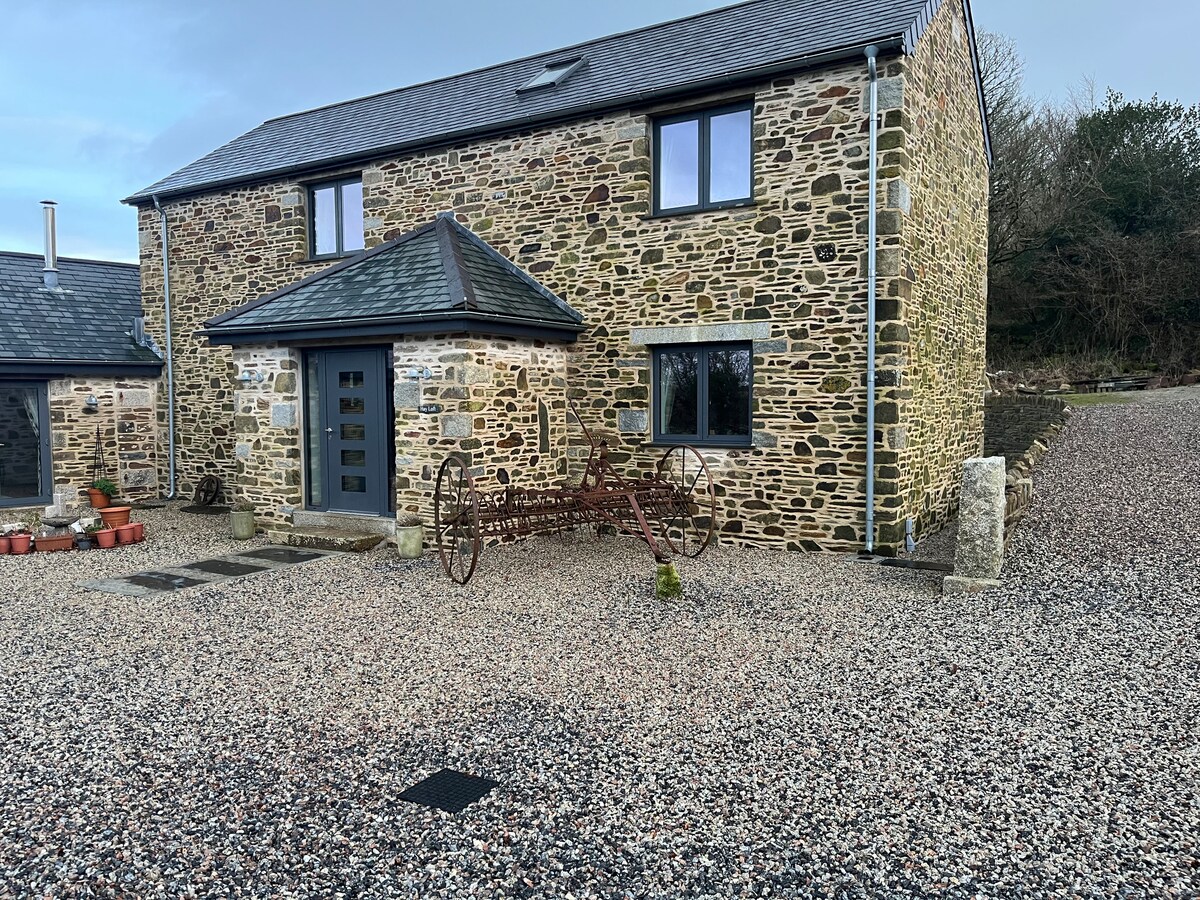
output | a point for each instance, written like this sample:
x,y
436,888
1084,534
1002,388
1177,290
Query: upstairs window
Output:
x,y
702,394
552,75
702,160
336,213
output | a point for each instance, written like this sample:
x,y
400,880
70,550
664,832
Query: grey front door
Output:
x,y
354,430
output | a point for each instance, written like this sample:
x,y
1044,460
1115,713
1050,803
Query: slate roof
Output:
x,y
439,277
88,323
743,42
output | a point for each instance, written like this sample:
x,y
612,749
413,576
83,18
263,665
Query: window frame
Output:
x,y
46,470
703,118
702,437
337,184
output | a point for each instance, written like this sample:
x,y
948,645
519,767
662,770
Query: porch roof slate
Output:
x,y
88,322
440,271
720,47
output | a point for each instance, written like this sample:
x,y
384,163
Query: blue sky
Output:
x,y
98,99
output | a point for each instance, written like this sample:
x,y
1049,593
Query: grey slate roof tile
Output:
x,y
672,57
441,269
90,320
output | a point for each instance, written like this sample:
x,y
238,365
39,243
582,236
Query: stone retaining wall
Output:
x,y
1021,428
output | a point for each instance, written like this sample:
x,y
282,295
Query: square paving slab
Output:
x,y
225,567
449,791
169,579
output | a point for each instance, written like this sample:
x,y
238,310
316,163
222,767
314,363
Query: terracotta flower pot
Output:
x,y
98,498
4,545
139,532
19,543
52,543
115,515
125,533
105,538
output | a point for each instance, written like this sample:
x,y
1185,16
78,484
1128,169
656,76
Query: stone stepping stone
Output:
x,y
172,579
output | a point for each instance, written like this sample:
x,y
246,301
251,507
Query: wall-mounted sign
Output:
x,y
428,409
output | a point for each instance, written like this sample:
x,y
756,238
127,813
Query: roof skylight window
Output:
x,y
552,75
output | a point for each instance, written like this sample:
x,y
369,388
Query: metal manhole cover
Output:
x,y
282,554
163,581
449,791
224,567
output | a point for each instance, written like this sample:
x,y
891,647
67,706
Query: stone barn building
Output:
x,y
73,369
671,226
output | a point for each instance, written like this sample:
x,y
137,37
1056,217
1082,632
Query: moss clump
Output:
x,y
667,585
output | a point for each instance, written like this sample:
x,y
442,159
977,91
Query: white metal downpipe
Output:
x,y
872,53
166,274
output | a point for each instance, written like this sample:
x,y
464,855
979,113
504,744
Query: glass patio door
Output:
x,y
24,444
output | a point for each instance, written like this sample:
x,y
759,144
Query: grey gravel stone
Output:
x,y
794,726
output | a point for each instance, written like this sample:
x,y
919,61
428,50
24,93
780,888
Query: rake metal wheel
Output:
x,y
456,519
691,517
208,491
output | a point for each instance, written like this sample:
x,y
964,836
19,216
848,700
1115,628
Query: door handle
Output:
x,y
329,431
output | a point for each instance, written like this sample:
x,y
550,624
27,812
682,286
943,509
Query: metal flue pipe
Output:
x,y
50,245
872,54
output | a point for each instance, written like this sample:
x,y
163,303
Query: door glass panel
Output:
x,y
352,406
350,379
354,484
729,392
20,442
678,392
354,432
354,459
729,157
679,165
316,437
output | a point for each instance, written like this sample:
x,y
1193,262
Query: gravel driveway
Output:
x,y
798,726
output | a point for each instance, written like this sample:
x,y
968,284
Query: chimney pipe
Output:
x,y
50,271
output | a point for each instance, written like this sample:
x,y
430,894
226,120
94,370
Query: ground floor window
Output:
x,y
702,394
24,444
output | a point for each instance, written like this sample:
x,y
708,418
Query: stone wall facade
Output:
x,y
127,417
571,204
1021,429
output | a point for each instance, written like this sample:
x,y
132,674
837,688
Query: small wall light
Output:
x,y
248,377
417,374
91,404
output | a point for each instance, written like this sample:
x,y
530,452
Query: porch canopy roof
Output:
x,y
439,278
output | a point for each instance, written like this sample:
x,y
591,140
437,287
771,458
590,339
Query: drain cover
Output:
x,y
224,567
282,554
205,510
449,791
163,581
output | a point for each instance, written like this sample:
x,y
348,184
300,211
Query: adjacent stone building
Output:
x,y
683,214
73,375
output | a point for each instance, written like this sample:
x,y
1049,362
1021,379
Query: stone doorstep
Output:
x,y
353,522
317,537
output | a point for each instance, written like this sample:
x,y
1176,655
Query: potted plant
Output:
x,y
19,541
5,544
101,493
241,520
115,515
410,536
50,543
104,536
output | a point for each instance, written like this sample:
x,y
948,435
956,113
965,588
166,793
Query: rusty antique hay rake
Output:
x,y
672,509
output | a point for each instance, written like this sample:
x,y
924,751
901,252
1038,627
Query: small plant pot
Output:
x,y
114,516
125,533
99,499
105,538
139,532
242,525
410,540
83,542
5,545
54,543
19,543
